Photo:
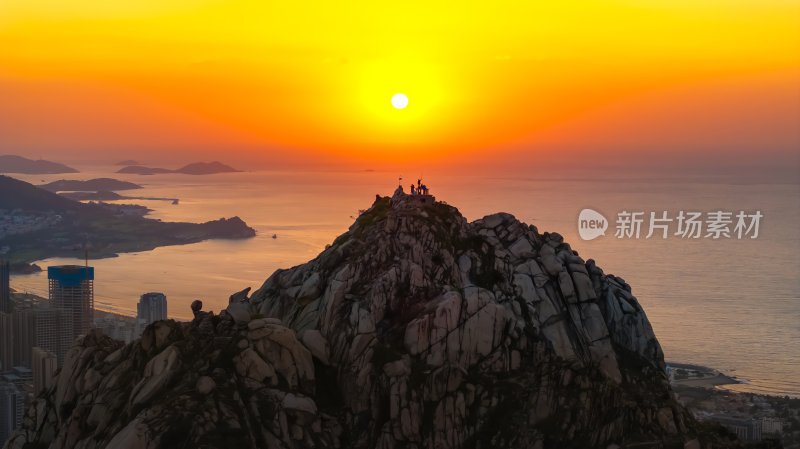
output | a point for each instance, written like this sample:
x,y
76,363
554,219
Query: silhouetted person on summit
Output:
x,y
413,192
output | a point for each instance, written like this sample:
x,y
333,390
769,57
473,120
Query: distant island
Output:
x,y
196,168
91,185
140,170
17,164
99,189
37,224
108,195
128,162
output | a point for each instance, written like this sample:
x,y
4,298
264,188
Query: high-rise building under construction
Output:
x,y
72,290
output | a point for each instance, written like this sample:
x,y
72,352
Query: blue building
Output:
x,y
72,290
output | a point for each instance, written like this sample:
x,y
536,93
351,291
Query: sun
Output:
x,y
399,101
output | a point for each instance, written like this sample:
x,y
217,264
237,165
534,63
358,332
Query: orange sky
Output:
x,y
263,81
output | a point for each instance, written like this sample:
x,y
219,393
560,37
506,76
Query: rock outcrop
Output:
x,y
414,329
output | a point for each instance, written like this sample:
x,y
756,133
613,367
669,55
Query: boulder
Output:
x,y
240,312
316,343
158,374
205,385
249,364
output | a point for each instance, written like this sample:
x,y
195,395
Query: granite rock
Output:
x,y
413,329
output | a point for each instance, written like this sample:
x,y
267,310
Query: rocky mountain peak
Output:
x,y
406,256
413,329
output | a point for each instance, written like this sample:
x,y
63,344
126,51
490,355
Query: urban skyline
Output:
x,y
37,333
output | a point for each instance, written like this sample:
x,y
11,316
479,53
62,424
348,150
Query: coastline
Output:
x,y
39,224
29,254
699,376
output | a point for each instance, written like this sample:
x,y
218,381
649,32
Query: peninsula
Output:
x,y
37,224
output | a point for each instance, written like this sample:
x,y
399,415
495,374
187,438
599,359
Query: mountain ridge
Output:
x,y
26,196
54,226
10,163
413,329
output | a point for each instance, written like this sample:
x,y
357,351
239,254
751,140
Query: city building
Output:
x,y
12,409
72,289
117,327
744,428
5,286
43,326
771,426
44,368
152,307
19,376
6,341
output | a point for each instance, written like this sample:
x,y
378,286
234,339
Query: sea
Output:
x,y
732,304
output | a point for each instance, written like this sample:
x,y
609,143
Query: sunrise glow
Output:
x,y
247,76
364,224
